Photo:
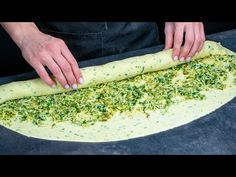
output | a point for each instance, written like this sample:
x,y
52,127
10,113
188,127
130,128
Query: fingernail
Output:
x,y
189,58
81,80
176,58
53,86
182,59
74,86
67,86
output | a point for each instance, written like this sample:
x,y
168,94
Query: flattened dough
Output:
x,y
120,127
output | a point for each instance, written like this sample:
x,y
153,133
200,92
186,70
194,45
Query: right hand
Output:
x,y
192,32
42,50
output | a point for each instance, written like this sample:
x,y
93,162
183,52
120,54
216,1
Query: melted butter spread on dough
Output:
x,y
150,91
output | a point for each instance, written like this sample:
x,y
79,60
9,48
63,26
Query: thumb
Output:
x,y
169,35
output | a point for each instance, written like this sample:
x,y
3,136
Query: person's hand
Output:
x,y
42,50
193,35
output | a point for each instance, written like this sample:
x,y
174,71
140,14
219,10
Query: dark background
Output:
x,y
213,134
13,63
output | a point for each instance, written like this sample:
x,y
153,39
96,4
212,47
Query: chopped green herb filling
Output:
x,y
150,91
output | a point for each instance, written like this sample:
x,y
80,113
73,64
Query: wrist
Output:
x,y
24,32
19,31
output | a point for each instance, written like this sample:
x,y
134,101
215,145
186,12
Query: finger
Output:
x,y
56,71
178,39
60,60
169,35
39,68
197,42
203,37
75,67
66,69
189,40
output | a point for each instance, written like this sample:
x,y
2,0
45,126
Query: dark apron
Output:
x,y
88,40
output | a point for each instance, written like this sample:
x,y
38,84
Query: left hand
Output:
x,y
194,39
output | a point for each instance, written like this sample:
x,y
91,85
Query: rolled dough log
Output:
x,y
112,71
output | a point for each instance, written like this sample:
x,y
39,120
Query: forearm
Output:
x,y
19,30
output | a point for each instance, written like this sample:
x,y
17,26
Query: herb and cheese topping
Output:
x,y
142,93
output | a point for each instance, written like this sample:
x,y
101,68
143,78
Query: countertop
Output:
x,y
214,133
